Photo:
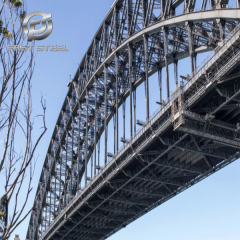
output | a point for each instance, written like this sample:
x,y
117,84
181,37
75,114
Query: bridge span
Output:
x,y
83,194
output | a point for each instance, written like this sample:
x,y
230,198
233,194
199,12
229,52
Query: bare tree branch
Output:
x,y
17,163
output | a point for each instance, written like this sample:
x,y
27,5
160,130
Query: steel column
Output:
x,y
116,28
45,218
49,217
130,58
72,157
79,146
55,189
92,137
145,39
79,150
165,40
163,4
65,182
160,83
86,137
221,24
116,69
134,109
98,154
105,113
144,12
124,118
60,182
129,16
191,46
176,72
95,129
195,61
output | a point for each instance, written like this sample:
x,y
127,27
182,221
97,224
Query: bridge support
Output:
x,y
176,73
238,3
130,58
145,39
95,128
116,28
71,179
55,190
144,12
196,124
191,47
86,136
134,107
129,16
98,154
124,118
221,24
160,83
79,150
65,173
49,210
117,73
105,113
60,182
165,40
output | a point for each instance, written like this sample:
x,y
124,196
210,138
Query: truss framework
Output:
x,y
189,138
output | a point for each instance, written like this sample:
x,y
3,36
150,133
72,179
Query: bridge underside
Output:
x,y
142,186
171,156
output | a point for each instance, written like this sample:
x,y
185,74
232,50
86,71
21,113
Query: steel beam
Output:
x,y
134,109
130,57
145,39
105,113
165,42
191,46
117,73
86,137
160,84
176,73
95,128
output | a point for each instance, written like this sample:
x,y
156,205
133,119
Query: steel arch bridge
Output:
x,y
194,133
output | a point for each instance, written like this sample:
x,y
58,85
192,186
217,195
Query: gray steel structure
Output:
x,y
194,133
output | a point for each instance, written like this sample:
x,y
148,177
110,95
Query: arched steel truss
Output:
x,y
136,39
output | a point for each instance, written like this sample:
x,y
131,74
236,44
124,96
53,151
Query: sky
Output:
x,y
209,210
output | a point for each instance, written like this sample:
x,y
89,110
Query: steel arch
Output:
x,y
94,87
